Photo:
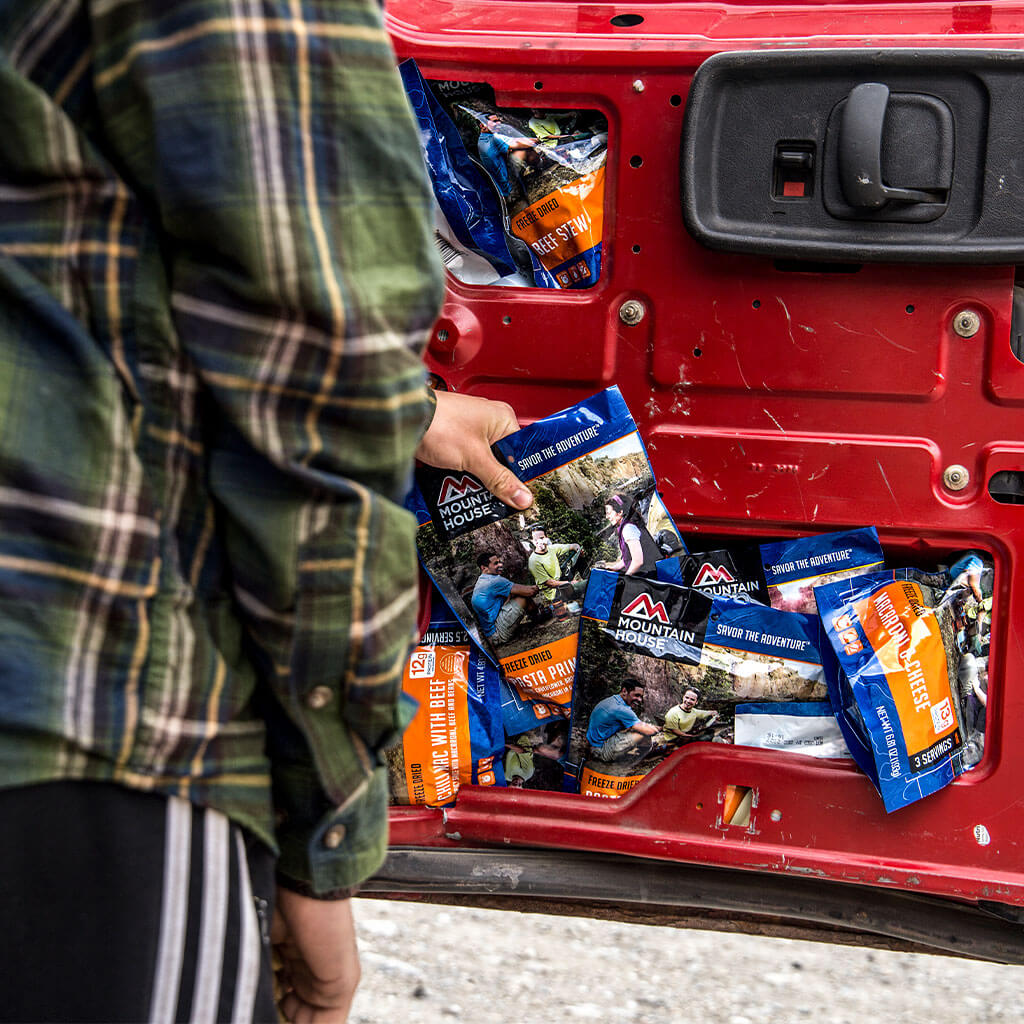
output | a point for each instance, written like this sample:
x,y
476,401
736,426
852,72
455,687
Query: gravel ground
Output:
x,y
426,964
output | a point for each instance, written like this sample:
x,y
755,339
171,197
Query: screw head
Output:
x,y
631,312
956,478
638,86
966,323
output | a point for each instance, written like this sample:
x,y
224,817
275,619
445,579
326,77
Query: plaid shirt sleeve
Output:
x,y
276,144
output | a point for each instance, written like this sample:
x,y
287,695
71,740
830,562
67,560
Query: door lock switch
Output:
x,y
793,170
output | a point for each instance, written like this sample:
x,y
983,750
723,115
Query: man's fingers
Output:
x,y
501,482
460,437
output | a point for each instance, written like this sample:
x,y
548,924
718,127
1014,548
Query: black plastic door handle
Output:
x,y
860,151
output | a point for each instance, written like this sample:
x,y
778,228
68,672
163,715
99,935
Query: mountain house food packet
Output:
x,y
662,666
456,736
800,727
793,568
594,498
469,231
895,688
548,169
723,572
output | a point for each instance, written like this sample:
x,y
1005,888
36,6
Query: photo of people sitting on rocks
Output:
x,y
522,579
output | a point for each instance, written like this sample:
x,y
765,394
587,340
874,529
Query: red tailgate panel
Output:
x,y
774,402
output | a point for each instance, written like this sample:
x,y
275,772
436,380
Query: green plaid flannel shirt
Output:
x,y
217,273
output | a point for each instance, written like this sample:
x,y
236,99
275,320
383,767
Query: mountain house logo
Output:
x,y
642,607
455,487
463,504
710,575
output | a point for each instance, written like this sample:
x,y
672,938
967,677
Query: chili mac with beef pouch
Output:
x,y
456,736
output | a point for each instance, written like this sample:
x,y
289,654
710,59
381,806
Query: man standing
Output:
x,y
501,605
217,273
545,567
615,732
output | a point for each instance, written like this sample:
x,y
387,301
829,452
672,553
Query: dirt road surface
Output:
x,y
454,965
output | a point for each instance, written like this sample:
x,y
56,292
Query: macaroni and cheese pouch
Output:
x,y
894,690
793,568
456,737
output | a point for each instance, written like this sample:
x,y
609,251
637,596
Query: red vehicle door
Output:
x,y
810,313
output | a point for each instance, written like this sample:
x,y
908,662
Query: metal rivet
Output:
x,y
776,815
631,312
319,697
334,837
956,478
638,86
966,323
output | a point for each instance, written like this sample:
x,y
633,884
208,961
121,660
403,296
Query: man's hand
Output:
x,y
315,941
460,437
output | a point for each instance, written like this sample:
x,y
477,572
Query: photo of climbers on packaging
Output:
x,y
663,666
456,736
544,172
516,580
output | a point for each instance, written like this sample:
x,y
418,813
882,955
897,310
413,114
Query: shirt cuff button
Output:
x,y
334,837
319,697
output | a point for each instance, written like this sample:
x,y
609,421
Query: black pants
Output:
x,y
120,906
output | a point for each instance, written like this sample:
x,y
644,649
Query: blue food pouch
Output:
x,y
464,196
516,579
723,572
793,568
893,686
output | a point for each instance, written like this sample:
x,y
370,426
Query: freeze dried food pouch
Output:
x,y
720,573
800,727
793,568
456,737
548,167
516,580
662,666
895,692
469,220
